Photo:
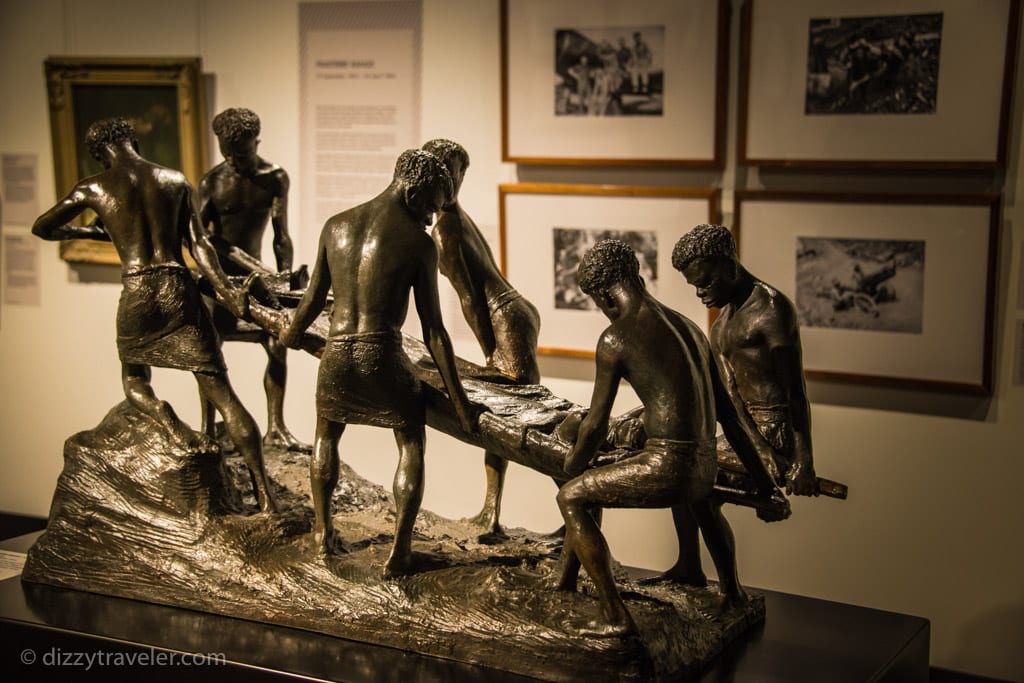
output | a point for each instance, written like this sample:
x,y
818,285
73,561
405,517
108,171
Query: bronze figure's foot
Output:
x,y
399,564
556,580
738,600
286,441
619,629
267,504
713,604
191,441
487,518
677,576
324,541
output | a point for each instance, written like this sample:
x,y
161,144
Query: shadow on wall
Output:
x,y
961,406
992,636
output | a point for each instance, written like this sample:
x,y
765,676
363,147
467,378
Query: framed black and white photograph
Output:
x,y
889,289
545,229
616,71
570,244
614,82
864,66
860,284
873,83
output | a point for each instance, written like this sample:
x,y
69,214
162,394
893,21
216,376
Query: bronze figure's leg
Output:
x,y
274,380
721,544
408,490
242,429
323,475
208,417
583,537
687,569
494,467
139,392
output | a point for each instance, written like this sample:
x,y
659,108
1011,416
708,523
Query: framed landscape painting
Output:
x,y
916,84
614,82
161,97
891,290
545,229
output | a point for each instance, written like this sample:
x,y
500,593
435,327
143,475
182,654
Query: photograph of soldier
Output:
x,y
874,65
571,243
860,284
609,71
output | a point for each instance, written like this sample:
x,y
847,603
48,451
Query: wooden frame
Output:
x,y
162,97
932,328
958,120
544,229
688,128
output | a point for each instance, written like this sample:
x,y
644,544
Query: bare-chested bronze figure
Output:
x,y
373,255
756,341
237,198
667,360
148,212
505,324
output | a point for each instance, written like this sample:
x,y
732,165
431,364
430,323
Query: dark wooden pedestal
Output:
x,y
56,634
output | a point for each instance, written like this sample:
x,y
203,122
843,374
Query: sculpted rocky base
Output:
x,y
134,517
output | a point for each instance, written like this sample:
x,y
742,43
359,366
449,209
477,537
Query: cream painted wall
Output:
x,y
933,525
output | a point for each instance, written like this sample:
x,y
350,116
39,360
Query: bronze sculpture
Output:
x,y
162,522
373,255
149,212
237,198
504,323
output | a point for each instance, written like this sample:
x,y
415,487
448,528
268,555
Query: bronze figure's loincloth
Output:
x,y
162,322
368,379
516,324
664,473
773,421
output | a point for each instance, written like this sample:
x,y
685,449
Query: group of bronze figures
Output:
x,y
748,377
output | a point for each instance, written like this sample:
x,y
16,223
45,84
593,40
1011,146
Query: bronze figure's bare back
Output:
x,y
504,323
372,256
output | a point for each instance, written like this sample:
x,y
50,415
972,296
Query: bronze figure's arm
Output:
x,y
313,300
786,366
594,428
471,296
53,225
283,250
428,307
236,299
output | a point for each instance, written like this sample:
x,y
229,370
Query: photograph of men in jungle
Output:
x,y
874,65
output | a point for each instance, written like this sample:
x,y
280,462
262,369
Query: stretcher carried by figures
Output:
x,y
523,422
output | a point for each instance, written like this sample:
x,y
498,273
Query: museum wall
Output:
x,y
933,524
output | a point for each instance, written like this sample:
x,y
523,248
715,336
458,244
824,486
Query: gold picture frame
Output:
x,y
162,97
